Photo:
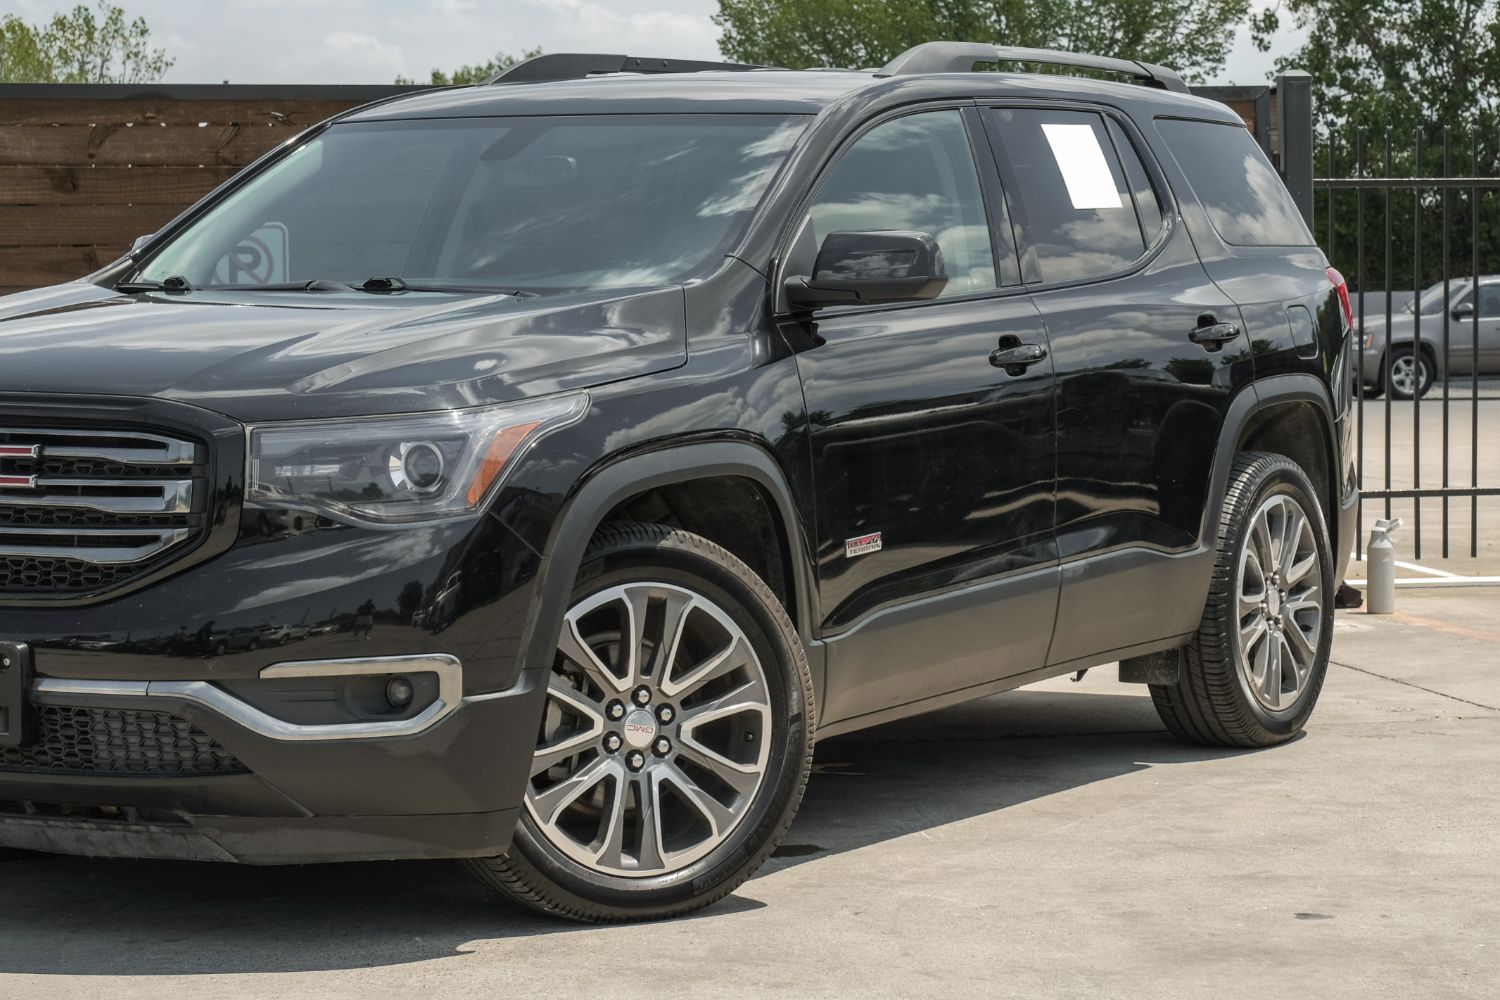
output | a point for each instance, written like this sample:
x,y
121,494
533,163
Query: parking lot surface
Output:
x,y
1052,841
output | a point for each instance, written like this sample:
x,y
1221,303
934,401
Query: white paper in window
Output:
x,y
1085,170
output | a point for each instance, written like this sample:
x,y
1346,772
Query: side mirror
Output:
x,y
140,241
870,267
1463,310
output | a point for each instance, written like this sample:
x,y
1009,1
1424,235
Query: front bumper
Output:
x,y
183,738
234,792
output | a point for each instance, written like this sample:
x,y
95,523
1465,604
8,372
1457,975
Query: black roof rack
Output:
x,y
577,65
960,57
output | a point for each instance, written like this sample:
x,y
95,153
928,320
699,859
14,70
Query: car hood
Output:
x,y
287,355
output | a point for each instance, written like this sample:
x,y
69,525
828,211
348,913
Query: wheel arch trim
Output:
x,y
1267,394
605,487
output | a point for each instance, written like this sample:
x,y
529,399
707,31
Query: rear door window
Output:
x,y
1069,192
1238,187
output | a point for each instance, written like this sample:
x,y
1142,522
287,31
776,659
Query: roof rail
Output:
x,y
577,65
960,57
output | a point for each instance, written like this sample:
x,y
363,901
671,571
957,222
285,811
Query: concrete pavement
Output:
x,y
1050,842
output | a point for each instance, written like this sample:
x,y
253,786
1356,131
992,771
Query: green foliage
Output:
x,y
1191,36
81,46
1413,69
466,76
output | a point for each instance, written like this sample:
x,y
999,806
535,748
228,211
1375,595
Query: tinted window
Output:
x,y
1068,192
532,203
914,173
1147,203
1237,185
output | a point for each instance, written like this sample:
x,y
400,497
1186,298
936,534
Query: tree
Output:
x,y
1191,36
1379,62
82,46
1410,70
466,76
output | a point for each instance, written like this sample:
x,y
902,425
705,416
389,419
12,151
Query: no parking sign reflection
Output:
x,y
258,259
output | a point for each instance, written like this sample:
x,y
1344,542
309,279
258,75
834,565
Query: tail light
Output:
x,y
1342,287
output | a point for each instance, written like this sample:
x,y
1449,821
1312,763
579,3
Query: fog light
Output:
x,y
399,692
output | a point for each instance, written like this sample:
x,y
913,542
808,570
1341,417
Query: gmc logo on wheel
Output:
x,y
640,727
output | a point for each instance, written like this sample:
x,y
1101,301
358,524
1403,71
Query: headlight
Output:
x,y
403,468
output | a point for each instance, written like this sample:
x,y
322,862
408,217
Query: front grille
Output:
x,y
71,740
82,510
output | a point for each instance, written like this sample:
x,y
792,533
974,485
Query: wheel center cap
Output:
x,y
1273,601
640,729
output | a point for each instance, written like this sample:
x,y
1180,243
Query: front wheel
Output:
x,y
677,736
1253,672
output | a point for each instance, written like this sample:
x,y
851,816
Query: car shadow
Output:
x,y
75,916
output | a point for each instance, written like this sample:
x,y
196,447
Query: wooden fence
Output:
x,y
84,170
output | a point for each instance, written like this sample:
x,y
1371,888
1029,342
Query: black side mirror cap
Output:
x,y
1464,310
864,268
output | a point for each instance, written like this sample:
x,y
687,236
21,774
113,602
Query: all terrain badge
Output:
x,y
863,545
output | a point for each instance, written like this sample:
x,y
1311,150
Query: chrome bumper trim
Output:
x,y
207,695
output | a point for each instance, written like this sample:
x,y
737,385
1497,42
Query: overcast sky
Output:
x,y
371,41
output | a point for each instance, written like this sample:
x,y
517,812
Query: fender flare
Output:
x,y
1262,395
601,490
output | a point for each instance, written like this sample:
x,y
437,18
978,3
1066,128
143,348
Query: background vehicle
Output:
x,y
1459,335
694,415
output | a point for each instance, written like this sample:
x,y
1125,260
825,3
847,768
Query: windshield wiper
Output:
x,y
174,283
315,285
382,285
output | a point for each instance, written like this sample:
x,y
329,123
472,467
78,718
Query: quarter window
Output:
x,y
1237,185
1069,191
914,173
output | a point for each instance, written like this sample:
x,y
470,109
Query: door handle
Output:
x,y
1214,335
1015,359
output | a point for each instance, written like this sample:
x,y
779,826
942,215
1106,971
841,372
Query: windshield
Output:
x,y
535,204
1432,297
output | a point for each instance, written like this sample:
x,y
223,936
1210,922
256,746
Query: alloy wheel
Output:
x,y
1280,603
1408,374
656,735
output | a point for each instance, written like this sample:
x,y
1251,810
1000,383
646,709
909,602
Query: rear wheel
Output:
x,y
1253,672
677,736
1410,374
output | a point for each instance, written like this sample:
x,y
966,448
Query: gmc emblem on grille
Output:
x,y
18,451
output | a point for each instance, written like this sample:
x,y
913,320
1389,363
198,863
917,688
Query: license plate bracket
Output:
x,y
15,684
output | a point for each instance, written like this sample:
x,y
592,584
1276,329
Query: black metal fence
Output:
x,y
1412,214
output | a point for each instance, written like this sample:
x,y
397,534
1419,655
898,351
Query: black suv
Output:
x,y
529,473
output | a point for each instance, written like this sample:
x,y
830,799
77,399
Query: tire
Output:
x,y
1223,695
761,743
1404,384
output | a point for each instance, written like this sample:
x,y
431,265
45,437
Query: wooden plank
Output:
x,y
108,185
17,111
48,145
79,225
1246,111
33,267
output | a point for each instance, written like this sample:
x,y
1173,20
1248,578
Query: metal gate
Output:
x,y
1414,217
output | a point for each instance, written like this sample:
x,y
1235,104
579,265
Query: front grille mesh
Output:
x,y
72,740
86,510
51,576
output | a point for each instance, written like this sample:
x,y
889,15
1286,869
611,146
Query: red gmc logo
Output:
x,y
11,482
